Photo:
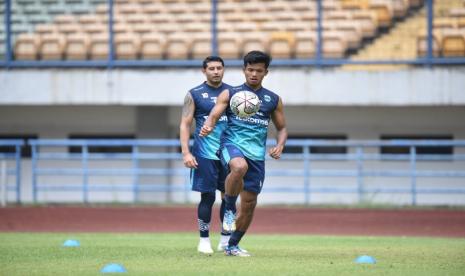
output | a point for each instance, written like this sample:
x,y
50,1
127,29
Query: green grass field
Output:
x,y
175,254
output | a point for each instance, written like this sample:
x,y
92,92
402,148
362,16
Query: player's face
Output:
x,y
214,72
254,74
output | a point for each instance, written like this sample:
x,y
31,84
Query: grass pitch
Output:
x,y
175,254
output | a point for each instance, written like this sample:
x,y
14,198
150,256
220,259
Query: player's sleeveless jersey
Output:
x,y
204,97
249,134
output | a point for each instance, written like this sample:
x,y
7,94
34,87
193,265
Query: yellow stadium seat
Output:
x,y
453,43
281,45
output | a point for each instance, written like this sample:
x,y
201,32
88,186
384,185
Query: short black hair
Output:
x,y
210,59
253,57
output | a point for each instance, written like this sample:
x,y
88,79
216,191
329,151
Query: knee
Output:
x,y
239,167
249,206
207,199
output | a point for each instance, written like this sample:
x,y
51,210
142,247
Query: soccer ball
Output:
x,y
245,104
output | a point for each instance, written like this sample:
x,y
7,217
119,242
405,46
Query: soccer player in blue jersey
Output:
x,y
207,173
243,147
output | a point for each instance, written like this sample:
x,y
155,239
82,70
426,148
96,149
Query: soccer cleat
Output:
x,y
229,221
235,250
222,247
205,247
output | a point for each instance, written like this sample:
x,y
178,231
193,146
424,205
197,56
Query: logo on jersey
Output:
x,y
267,98
213,99
205,95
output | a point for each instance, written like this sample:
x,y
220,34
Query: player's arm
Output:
x,y
221,104
280,123
185,130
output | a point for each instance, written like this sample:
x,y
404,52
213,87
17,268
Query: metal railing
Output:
x,y
305,171
14,170
318,61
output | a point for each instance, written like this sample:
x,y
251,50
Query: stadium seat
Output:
x,y
97,28
229,45
64,19
46,29
72,28
197,28
142,28
353,32
201,7
127,46
152,46
457,12
52,46
384,11
154,8
178,46
400,8
305,46
444,23
453,43
90,19
77,47
98,46
254,41
26,46
244,27
201,45
334,44
281,45
367,20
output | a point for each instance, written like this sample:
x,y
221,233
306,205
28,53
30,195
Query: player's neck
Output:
x,y
254,87
214,85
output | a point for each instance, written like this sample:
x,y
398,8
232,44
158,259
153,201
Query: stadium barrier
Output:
x,y
167,164
319,60
13,155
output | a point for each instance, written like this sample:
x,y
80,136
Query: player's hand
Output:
x,y
205,130
275,152
189,160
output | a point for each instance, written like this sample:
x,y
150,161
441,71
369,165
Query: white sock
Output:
x,y
224,239
207,240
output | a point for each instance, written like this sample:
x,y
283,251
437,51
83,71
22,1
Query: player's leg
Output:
x,y
224,236
204,215
203,180
253,182
247,209
233,186
234,160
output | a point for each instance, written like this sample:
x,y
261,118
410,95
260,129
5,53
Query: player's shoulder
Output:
x,y
199,88
270,93
226,86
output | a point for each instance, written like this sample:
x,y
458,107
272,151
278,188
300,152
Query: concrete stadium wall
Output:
x,y
297,86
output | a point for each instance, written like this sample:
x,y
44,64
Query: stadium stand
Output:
x,y
180,29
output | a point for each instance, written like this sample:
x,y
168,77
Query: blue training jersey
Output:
x,y
204,97
250,134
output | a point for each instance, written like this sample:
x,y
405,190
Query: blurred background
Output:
x,y
91,94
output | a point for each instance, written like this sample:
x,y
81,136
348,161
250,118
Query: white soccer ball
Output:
x,y
245,104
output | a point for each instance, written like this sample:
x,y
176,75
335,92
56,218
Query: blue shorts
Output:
x,y
255,175
209,176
